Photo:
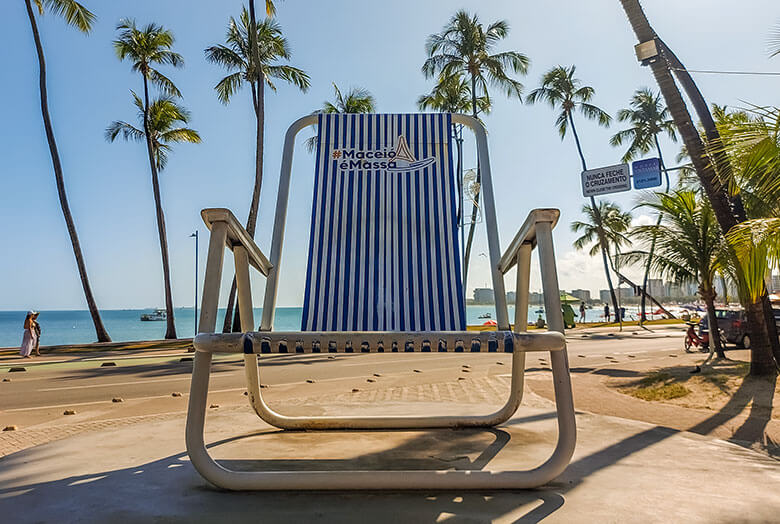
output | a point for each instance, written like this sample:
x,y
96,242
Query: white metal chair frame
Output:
x,y
227,231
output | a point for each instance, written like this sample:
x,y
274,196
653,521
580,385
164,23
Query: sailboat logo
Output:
x,y
398,159
404,160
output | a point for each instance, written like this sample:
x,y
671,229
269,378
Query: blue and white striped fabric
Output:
x,y
383,250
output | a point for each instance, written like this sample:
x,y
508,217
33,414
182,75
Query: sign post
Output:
x,y
605,180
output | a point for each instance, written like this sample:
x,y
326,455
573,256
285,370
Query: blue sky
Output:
x,y
379,46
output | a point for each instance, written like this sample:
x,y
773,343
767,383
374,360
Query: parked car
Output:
x,y
733,323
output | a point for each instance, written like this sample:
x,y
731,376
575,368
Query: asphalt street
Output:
x,y
147,384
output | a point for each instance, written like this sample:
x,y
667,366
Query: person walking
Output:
x,y
606,313
30,337
582,312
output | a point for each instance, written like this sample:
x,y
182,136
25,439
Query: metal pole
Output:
x,y
195,234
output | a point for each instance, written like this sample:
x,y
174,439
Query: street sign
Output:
x,y
647,173
605,180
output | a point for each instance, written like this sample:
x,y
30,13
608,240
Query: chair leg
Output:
x,y
363,480
383,422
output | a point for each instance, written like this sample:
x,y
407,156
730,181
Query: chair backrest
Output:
x,y
383,248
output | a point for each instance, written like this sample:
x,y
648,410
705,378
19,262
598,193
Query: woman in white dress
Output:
x,y
30,334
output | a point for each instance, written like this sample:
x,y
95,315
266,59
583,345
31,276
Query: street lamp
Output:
x,y
195,234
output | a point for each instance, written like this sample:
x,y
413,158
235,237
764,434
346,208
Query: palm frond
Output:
x,y
128,131
71,11
228,86
165,84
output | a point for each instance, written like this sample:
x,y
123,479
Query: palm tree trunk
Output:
x,y
597,215
709,299
170,331
258,100
475,208
652,244
100,330
758,314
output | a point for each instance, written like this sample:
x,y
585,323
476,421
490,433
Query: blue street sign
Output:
x,y
647,173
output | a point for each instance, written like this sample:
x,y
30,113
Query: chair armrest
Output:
x,y
237,236
527,234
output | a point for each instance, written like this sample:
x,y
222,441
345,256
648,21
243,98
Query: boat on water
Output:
x,y
159,314
485,315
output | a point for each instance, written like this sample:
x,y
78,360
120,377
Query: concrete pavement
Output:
x,y
126,462
622,471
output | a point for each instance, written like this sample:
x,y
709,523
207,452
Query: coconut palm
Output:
x,y
648,117
238,55
165,117
464,48
452,95
81,18
752,141
564,92
146,48
728,208
689,247
356,100
774,41
603,228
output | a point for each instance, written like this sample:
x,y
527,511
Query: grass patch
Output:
x,y
664,392
655,377
719,379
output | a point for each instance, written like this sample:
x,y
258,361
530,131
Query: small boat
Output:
x,y
485,315
159,314
539,311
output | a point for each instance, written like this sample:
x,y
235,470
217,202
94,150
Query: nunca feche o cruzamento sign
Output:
x,y
605,180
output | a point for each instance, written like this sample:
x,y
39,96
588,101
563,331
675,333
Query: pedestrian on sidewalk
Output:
x,y
606,313
582,312
30,337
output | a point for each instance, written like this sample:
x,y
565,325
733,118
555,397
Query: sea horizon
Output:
x,y
74,326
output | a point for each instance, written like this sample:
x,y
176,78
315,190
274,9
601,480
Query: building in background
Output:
x,y
604,296
484,295
775,281
582,294
656,288
535,298
511,297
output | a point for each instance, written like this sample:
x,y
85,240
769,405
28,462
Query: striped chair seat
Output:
x,y
384,253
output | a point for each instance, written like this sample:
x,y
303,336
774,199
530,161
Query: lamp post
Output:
x,y
195,234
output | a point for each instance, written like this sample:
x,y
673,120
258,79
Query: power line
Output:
x,y
713,72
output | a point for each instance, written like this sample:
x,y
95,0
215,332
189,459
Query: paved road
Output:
x,y
145,384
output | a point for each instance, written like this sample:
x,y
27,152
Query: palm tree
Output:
x,y
648,117
605,225
728,208
252,57
751,139
146,47
464,48
165,115
688,247
452,95
81,18
774,42
563,91
357,100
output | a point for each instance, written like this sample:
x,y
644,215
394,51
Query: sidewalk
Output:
x,y
622,471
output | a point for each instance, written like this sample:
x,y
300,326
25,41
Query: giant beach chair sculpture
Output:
x,y
383,276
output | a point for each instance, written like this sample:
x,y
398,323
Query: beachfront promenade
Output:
x,y
636,461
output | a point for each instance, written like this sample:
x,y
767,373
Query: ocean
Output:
x,y
123,325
